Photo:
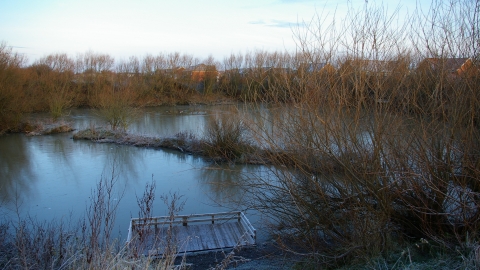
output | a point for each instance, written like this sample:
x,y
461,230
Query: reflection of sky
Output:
x,y
165,121
65,176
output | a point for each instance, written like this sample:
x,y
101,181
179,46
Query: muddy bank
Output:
x,y
41,128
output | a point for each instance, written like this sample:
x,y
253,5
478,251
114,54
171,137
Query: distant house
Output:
x,y
452,67
328,68
469,69
202,72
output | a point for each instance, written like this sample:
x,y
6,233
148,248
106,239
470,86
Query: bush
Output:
x,y
225,137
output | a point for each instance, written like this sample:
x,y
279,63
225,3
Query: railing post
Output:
x,y
133,227
184,221
213,219
238,214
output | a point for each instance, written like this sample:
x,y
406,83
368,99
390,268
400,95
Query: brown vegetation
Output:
x,y
382,151
378,144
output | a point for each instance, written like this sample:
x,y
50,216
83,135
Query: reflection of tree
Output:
x,y
224,183
124,158
58,147
15,168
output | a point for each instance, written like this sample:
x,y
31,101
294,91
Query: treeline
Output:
x,y
420,83
56,82
428,64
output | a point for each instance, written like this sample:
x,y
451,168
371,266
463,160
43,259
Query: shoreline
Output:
x,y
181,142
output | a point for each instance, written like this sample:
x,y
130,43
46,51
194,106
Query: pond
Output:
x,y
53,177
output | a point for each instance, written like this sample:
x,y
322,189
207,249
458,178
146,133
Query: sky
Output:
x,y
124,28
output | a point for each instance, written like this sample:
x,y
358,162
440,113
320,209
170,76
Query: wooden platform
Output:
x,y
192,233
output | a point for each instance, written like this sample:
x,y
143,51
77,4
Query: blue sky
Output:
x,y
124,28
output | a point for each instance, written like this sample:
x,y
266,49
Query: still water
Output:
x,y
53,177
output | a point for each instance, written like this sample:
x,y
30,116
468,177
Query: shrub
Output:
x,y
225,137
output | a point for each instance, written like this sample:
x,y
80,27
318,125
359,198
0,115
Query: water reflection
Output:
x,y
58,174
168,121
126,161
16,174
223,183
229,184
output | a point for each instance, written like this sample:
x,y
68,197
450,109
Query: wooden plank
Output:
x,y
205,234
215,242
228,235
237,233
188,238
214,236
190,218
223,235
195,238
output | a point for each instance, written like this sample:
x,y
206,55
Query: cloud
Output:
x,y
258,22
276,23
282,24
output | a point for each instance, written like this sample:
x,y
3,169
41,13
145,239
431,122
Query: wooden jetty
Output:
x,y
190,233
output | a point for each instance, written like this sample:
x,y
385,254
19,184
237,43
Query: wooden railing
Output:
x,y
137,224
